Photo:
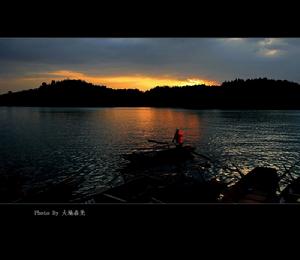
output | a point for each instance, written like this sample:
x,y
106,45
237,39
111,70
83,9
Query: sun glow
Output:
x,y
142,82
271,52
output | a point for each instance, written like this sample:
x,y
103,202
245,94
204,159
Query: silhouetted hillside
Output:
x,y
255,93
72,93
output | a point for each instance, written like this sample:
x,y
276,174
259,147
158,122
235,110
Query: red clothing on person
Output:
x,y
180,137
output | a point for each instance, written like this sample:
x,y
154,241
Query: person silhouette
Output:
x,y
178,138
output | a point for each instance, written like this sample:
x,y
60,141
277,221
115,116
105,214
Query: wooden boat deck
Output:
x,y
258,186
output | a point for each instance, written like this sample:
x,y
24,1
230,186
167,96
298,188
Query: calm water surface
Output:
x,y
48,144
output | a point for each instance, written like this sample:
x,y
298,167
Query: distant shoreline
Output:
x,y
259,94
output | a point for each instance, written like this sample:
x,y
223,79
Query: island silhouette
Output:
x,y
260,93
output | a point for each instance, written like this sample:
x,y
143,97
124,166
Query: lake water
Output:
x,y
47,144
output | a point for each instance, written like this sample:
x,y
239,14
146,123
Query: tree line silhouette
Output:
x,y
261,93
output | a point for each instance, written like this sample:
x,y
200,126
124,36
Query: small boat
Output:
x,y
172,189
258,186
161,156
138,190
53,192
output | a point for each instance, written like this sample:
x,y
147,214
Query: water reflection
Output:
x,y
45,144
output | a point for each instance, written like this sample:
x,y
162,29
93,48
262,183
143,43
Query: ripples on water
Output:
x,y
47,144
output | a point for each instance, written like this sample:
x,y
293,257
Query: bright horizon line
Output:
x,y
142,82
133,81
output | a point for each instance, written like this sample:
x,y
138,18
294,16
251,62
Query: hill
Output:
x,y
259,93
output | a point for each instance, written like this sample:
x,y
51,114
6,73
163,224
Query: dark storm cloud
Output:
x,y
214,58
113,56
91,51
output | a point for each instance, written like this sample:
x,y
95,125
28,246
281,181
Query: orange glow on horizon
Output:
x,y
142,82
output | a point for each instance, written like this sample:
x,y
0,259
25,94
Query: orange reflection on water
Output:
x,y
151,123
163,122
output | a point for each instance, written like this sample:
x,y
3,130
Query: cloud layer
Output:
x,y
130,62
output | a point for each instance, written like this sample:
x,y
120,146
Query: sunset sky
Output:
x,y
144,63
